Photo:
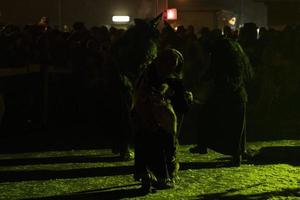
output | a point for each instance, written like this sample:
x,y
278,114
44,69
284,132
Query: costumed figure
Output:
x,y
131,54
223,122
157,122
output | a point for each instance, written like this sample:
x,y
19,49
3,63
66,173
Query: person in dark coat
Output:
x,y
224,124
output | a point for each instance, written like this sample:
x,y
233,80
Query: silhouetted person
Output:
x,y
190,33
249,42
168,37
159,101
228,32
223,124
131,54
44,23
181,98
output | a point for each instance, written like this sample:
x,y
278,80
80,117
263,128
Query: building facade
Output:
x,y
282,12
213,13
199,13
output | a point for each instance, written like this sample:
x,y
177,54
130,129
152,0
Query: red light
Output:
x,y
172,14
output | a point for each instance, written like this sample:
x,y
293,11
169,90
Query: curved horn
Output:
x,y
168,26
154,22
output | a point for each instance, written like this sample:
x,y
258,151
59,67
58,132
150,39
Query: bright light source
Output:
x,y
172,14
121,19
232,21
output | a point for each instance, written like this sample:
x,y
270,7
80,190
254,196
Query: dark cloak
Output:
x,y
223,116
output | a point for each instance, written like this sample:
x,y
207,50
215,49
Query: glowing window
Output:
x,y
120,19
172,14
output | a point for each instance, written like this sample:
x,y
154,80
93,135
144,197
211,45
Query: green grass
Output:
x,y
88,174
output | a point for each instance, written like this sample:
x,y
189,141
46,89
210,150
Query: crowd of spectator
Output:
x,y
274,55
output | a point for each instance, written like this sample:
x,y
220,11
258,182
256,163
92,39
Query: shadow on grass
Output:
x,y
276,155
271,155
106,193
16,176
266,155
57,160
284,193
204,165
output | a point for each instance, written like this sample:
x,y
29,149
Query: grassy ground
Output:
x,y
272,173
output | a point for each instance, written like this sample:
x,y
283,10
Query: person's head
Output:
x,y
44,21
204,32
169,63
190,29
262,32
79,26
225,52
181,31
229,58
248,33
